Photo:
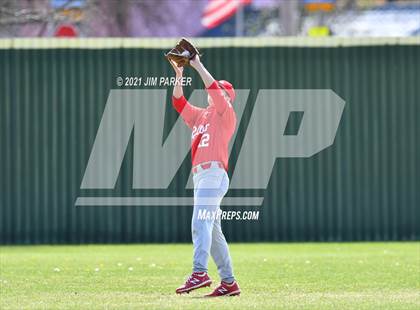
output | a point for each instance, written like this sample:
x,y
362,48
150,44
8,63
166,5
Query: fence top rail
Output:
x,y
164,43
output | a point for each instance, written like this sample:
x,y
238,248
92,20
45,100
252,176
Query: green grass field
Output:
x,y
289,276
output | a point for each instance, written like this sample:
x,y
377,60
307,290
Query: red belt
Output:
x,y
206,166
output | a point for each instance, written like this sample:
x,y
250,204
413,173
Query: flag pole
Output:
x,y
239,20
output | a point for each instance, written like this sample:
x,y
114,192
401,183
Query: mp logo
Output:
x,y
141,113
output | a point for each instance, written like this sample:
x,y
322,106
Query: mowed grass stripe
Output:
x,y
273,275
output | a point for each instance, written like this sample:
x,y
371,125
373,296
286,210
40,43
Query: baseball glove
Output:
x,y
182,53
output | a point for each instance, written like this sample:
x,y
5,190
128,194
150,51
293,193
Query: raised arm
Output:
x,y
179,71
213,88
187,111
202,71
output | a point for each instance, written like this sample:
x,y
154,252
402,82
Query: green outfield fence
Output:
x,y
363,187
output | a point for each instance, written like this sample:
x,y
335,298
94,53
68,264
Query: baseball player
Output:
x,y
212,129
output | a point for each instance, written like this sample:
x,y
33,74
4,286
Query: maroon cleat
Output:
x,y
226,289
194,281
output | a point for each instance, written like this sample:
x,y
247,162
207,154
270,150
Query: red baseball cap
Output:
x,y
228,87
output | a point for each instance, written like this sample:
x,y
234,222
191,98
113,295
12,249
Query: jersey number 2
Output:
x,y
204,142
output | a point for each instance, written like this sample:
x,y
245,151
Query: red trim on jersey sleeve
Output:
x,y
188,112
179,103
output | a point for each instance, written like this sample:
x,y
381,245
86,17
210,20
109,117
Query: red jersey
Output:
x,y
212,127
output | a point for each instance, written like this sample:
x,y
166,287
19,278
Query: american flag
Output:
x,y
218,11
